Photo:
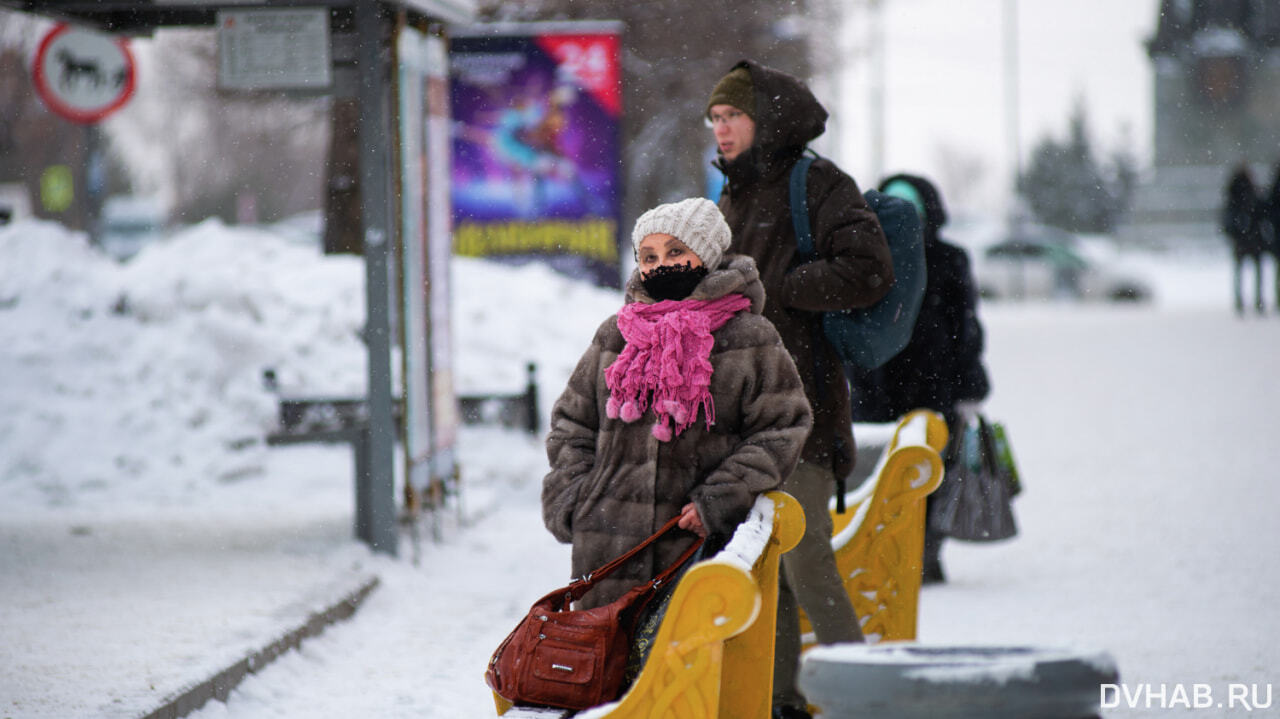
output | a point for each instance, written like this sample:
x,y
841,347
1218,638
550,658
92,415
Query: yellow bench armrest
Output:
x,y
879,540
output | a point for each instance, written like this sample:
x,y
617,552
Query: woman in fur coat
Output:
x,y
686,403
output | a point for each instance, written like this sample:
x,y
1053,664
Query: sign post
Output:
x,y
375,490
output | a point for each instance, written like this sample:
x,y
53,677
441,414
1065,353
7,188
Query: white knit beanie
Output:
x,y
696,222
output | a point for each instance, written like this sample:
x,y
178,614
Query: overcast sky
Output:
x,y
944,85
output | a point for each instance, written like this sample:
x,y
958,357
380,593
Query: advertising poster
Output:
x,y
446,415
536,131
431,410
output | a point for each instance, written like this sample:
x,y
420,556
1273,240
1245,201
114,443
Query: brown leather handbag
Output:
x,y
576,659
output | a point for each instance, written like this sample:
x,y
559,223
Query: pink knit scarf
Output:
x,y
667,361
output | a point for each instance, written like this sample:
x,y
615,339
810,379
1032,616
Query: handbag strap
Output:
x,y
581,585
988,441
665,575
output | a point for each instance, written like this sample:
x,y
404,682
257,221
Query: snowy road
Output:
x,y
1148,447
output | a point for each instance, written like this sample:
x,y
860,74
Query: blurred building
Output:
x,y
1217,103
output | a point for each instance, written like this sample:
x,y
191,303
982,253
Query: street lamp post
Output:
x,y
1012,132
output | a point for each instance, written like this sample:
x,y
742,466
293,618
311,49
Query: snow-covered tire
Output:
x,y
906,681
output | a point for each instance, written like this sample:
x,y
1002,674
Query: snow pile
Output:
x,y
751,537
505,316
145,381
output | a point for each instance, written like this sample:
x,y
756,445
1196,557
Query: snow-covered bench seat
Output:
x,y
712,657
879,539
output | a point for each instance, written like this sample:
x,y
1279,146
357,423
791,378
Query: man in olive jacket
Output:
x,y
762,120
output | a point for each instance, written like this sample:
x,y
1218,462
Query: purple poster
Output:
x,y
536,161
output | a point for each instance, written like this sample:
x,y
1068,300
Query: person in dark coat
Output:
x,y
941,367
686,403
1242,222
1273,222
762,119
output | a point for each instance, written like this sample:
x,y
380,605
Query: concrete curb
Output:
x,y
219,686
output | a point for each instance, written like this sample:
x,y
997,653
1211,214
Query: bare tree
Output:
x,y
209,150
342,210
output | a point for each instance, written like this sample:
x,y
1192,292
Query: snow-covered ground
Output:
x,y
131,404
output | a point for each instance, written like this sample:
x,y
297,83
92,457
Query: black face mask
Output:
x,y
672,282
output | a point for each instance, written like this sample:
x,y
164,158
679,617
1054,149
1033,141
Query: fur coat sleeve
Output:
x,y
571,441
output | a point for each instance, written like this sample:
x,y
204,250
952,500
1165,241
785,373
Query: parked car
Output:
x,y
15,204
304,228
1031,261
129,223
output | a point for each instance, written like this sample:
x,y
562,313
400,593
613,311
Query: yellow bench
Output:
x,y
713,653
879,540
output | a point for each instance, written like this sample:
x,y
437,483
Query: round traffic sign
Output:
x,y
83,75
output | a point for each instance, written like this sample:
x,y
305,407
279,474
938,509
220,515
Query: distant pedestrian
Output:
x,y
941,366
1242,221
762,120
1273,217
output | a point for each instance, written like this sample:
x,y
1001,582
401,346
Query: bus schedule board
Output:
x,y
536,145
274,49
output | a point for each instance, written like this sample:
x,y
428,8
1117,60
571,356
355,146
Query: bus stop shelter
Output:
x,y
360,36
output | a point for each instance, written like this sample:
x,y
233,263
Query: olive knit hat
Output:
x,y
696,222
735,89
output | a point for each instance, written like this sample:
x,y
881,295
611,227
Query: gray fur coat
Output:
x,y
612,483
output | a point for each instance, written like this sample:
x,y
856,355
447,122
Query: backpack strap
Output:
x,y
800,206
805,248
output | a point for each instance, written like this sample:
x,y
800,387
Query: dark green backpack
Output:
x,y
869,336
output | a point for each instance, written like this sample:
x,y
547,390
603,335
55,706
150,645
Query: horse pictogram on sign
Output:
x,y
83,75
